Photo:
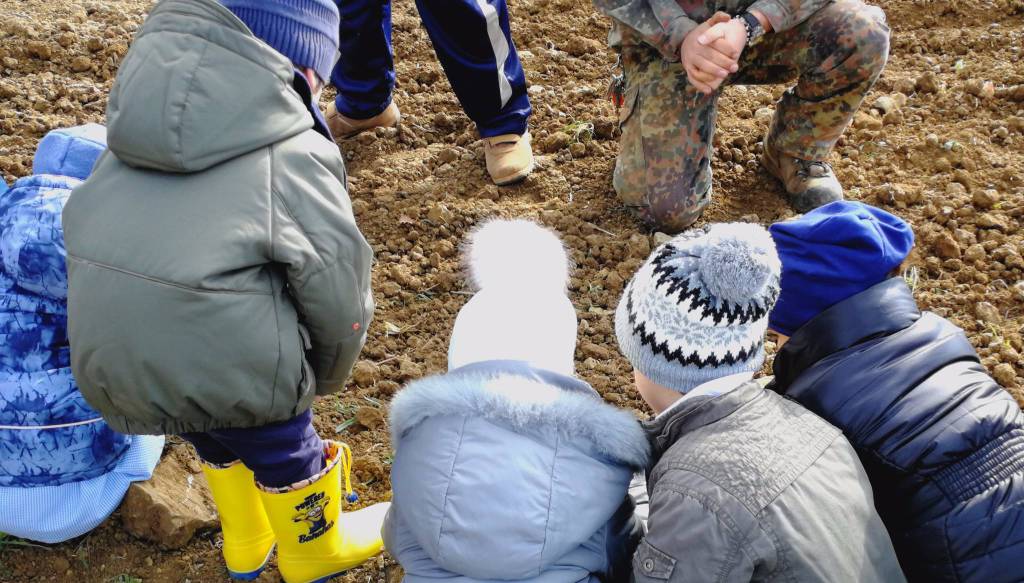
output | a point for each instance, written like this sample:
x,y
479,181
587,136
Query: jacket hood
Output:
x,y
506,475
525,398
197,89
70,152
32,251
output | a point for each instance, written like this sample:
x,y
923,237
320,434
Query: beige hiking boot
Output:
x,y
343,128
809,183
509,158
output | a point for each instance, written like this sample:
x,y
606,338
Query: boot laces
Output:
x,y
811,168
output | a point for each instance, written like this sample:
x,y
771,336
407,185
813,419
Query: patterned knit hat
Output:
x,y
305,31
698,309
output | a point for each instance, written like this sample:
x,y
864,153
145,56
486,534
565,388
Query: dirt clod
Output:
x,y
365,373
170,507
988,313
947,247
1005,375
370,417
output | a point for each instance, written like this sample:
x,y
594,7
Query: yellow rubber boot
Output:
x,y
248,538
315,540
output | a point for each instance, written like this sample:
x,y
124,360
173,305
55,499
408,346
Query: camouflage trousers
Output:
x,y
663,171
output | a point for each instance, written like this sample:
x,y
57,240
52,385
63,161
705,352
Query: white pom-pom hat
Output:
x,y
698,308
520,311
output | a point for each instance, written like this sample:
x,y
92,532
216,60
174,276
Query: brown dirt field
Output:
x,y
950,159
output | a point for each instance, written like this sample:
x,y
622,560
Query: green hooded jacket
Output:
x,y
217,277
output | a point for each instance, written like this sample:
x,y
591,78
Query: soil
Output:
x,y
940,142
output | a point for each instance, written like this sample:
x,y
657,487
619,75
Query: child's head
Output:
x,y
697,310
832,253
521,311
305,31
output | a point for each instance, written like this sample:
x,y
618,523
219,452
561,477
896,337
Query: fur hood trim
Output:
x,y
523,403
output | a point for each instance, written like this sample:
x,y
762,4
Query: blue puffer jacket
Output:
x,y
51,442
942,443
503,472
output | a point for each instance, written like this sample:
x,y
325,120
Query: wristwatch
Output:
x,y
754,29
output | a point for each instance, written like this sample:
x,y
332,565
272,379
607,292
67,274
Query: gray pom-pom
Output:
x,y
738,262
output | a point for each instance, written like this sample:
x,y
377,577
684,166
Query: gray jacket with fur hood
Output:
x,y
505,472
749,486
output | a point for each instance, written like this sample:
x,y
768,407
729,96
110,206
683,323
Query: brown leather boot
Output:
x,y
808,183
509,158
343,128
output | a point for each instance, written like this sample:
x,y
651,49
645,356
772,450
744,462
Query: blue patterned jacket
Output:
x,y
48,434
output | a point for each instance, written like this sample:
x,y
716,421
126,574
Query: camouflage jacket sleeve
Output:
x,y
660,23
785,14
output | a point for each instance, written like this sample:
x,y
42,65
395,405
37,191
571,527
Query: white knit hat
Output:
x,y
698,308
521,311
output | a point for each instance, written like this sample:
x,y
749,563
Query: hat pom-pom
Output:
x,y
517,256
739,262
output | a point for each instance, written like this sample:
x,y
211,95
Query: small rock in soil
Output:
x,y
639,246
991,221
947,247
556,142
928,83
661,238
905,86
975,253
489,192
988,313
592,350
985,199
885,104
579,46
981,88
170,507
438,213
369,417
447,155
1005,375
955,189
604,128
81,64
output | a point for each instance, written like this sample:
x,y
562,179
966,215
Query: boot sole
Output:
x,y
251,575
517,177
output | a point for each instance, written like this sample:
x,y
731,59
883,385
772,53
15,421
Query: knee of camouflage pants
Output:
x,y
865,28
663,171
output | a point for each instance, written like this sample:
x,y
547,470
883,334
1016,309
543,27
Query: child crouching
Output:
x,y
744,485
218,280
508,467
62,469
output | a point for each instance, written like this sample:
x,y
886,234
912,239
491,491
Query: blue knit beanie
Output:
x,y
305,31
832,253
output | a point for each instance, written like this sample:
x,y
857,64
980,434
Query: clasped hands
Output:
x,y
711,52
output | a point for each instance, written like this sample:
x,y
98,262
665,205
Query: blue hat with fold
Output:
x,y
305,31
832,253
70,151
